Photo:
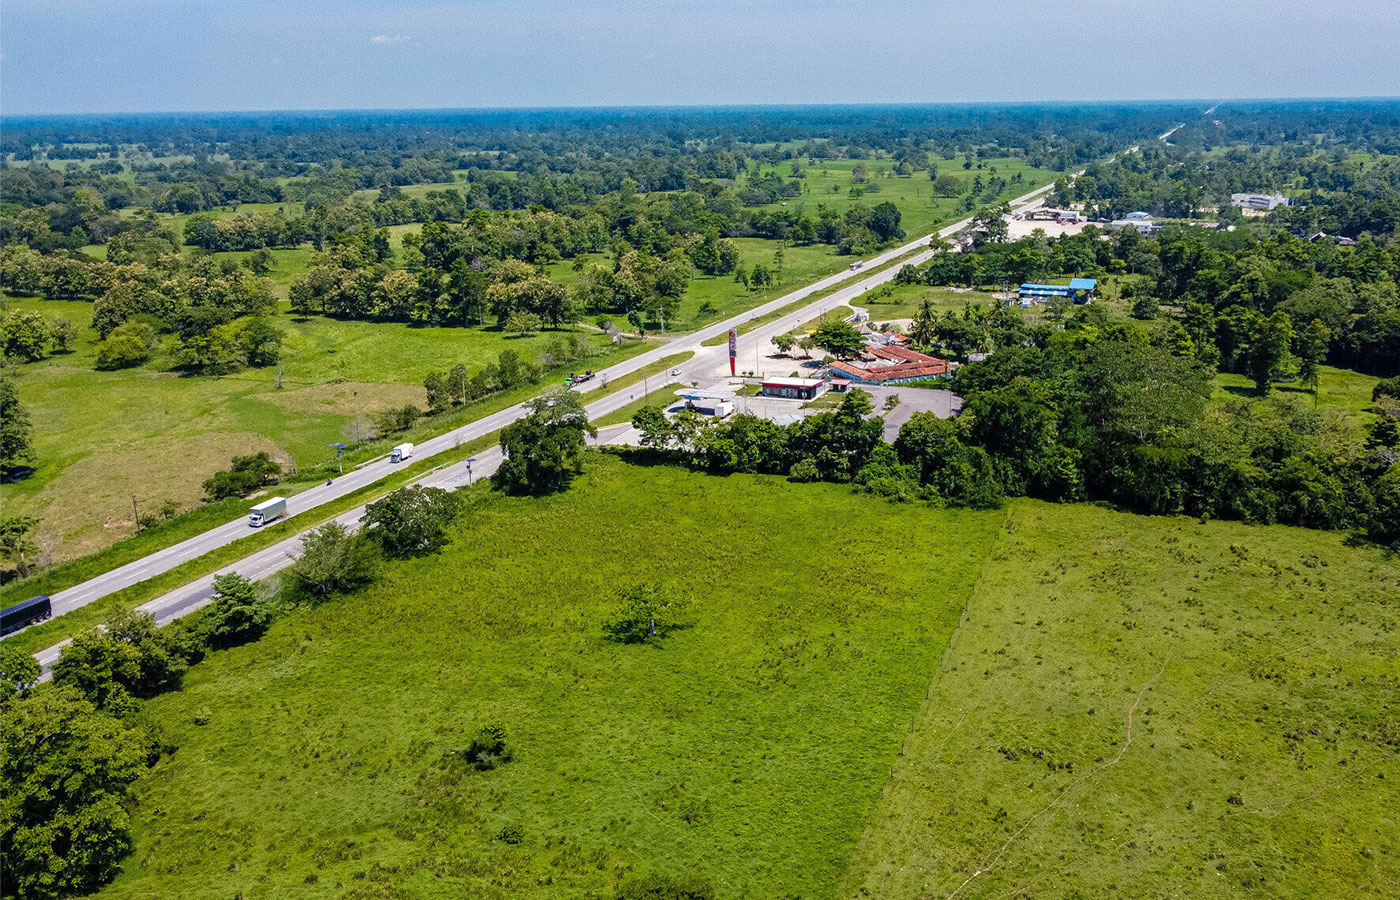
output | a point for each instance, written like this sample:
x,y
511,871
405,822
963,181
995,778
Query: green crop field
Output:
x,y
829,182
864,700
101,438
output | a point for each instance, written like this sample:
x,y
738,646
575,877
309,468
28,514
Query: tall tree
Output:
x,y
544,450
838,337
67,769
1312,350
16,447
1268,359
412,520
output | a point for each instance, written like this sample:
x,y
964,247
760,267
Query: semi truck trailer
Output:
x,y
24,614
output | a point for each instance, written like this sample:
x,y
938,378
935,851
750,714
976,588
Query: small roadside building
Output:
x,y
794,388
708,402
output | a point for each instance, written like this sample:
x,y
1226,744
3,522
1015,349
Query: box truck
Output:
x,y
401,453
267,511
21,615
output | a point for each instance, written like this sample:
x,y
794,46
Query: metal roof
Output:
x,y
1083,284
704,394
793,382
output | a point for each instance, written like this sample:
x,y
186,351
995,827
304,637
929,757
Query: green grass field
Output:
x,y
879,709
101,438
902,301
729,749
1336,388
1152,707
802,265
920,211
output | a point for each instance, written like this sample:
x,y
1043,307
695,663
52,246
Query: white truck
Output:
x,y
267,511
401,453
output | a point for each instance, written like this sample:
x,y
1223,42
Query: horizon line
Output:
x,y
1363,98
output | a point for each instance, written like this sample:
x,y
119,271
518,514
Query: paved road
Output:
x,y
707,364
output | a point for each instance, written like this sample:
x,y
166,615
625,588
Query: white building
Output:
x,y
1145,226
1259,201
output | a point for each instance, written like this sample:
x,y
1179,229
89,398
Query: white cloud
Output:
x,y
389,39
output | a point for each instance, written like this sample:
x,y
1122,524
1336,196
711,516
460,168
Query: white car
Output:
x,y
675,371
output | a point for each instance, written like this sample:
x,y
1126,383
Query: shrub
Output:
x,y
487,750
237,614
523,323
245,475
665,887
333,561
121,351
400,418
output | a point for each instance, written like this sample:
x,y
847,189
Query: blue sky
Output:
x,y
194,55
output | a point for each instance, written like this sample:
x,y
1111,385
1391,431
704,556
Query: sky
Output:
x,y
106,56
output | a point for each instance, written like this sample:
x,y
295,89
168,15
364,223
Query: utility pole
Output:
x,y
135,513
356,395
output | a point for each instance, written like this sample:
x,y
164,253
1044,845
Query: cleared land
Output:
x,y
802,265
1336,388
830,182
880,710
729,749
1152,708
101,438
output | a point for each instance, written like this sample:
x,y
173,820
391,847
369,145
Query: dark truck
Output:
x,y
21,615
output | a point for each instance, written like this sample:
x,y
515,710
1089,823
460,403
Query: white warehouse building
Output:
x,y
1259,201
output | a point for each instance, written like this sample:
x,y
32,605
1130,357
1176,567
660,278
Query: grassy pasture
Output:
x,y
729,749
902,301
1336,388
1254,670
996,664
103,437
920,211
802,265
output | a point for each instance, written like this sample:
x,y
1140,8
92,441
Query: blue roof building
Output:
x,y
1080,290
